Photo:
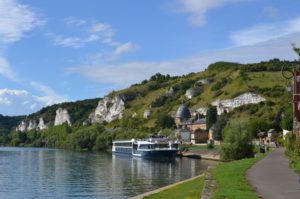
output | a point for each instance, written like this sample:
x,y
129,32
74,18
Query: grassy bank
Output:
x,y
294,159
231,179
186,190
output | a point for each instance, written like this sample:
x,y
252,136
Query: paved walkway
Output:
x,y
272,177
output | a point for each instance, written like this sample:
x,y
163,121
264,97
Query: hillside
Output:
x,y
226,81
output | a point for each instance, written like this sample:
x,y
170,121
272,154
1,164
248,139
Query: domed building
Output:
x,y
196,127
183,114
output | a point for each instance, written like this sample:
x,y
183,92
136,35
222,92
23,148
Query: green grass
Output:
x,y
231,180
186,190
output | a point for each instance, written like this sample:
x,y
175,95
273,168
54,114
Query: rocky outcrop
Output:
x,y
32,125
22,127
204,81
61,117
108,109
134,115
147,113
192,92
229,105
170,92
201,111
41,125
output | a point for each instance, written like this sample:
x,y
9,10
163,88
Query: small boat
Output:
x,y
153,147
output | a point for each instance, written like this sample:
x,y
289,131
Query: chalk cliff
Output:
x,y
230,104
108,109
41,125
62,116
22,127
32,125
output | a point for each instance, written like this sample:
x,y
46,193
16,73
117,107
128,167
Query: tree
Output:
x,y
219,126
165,121
237,143
297,50
287,121
211,116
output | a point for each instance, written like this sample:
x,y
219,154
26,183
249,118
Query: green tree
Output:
x,y
219,126
211,116
296,50
165,121
237,143
287,121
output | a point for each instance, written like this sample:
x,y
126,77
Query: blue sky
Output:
x,y
53,51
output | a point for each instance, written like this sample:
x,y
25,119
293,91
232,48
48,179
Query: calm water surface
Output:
x,y
50,173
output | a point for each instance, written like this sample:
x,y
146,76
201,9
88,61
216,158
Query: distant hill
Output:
x,y
163,94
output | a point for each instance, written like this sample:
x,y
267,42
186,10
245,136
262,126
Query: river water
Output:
x,y
52,173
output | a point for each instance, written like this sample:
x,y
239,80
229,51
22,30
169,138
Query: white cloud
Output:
x,y
125,48
124,74
19,102
15,20
265,32
73,42
197,9
11,101
49,95
71,20
6,71
97,32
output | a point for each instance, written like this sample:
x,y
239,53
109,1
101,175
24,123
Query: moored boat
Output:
x,y
153,147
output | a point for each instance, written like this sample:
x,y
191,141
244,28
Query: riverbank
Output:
x,y
200,151
206,155
230,178
190,188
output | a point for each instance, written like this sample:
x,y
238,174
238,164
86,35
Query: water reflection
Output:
x,y
46,173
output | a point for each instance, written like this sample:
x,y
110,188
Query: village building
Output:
x,y
196,128
267,138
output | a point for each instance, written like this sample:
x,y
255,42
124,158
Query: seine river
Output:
x,y
50,173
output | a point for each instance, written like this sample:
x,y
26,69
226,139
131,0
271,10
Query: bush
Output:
x,y
211,144
237,144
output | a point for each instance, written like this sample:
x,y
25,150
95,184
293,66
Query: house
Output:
x,y
184,134
267,138
199,136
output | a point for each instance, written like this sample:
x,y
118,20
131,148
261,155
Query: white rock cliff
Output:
x,y
230,104
108,109
32,125
22,127
41,125
61,117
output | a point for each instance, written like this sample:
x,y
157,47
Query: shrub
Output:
x,y
211,144
237,144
